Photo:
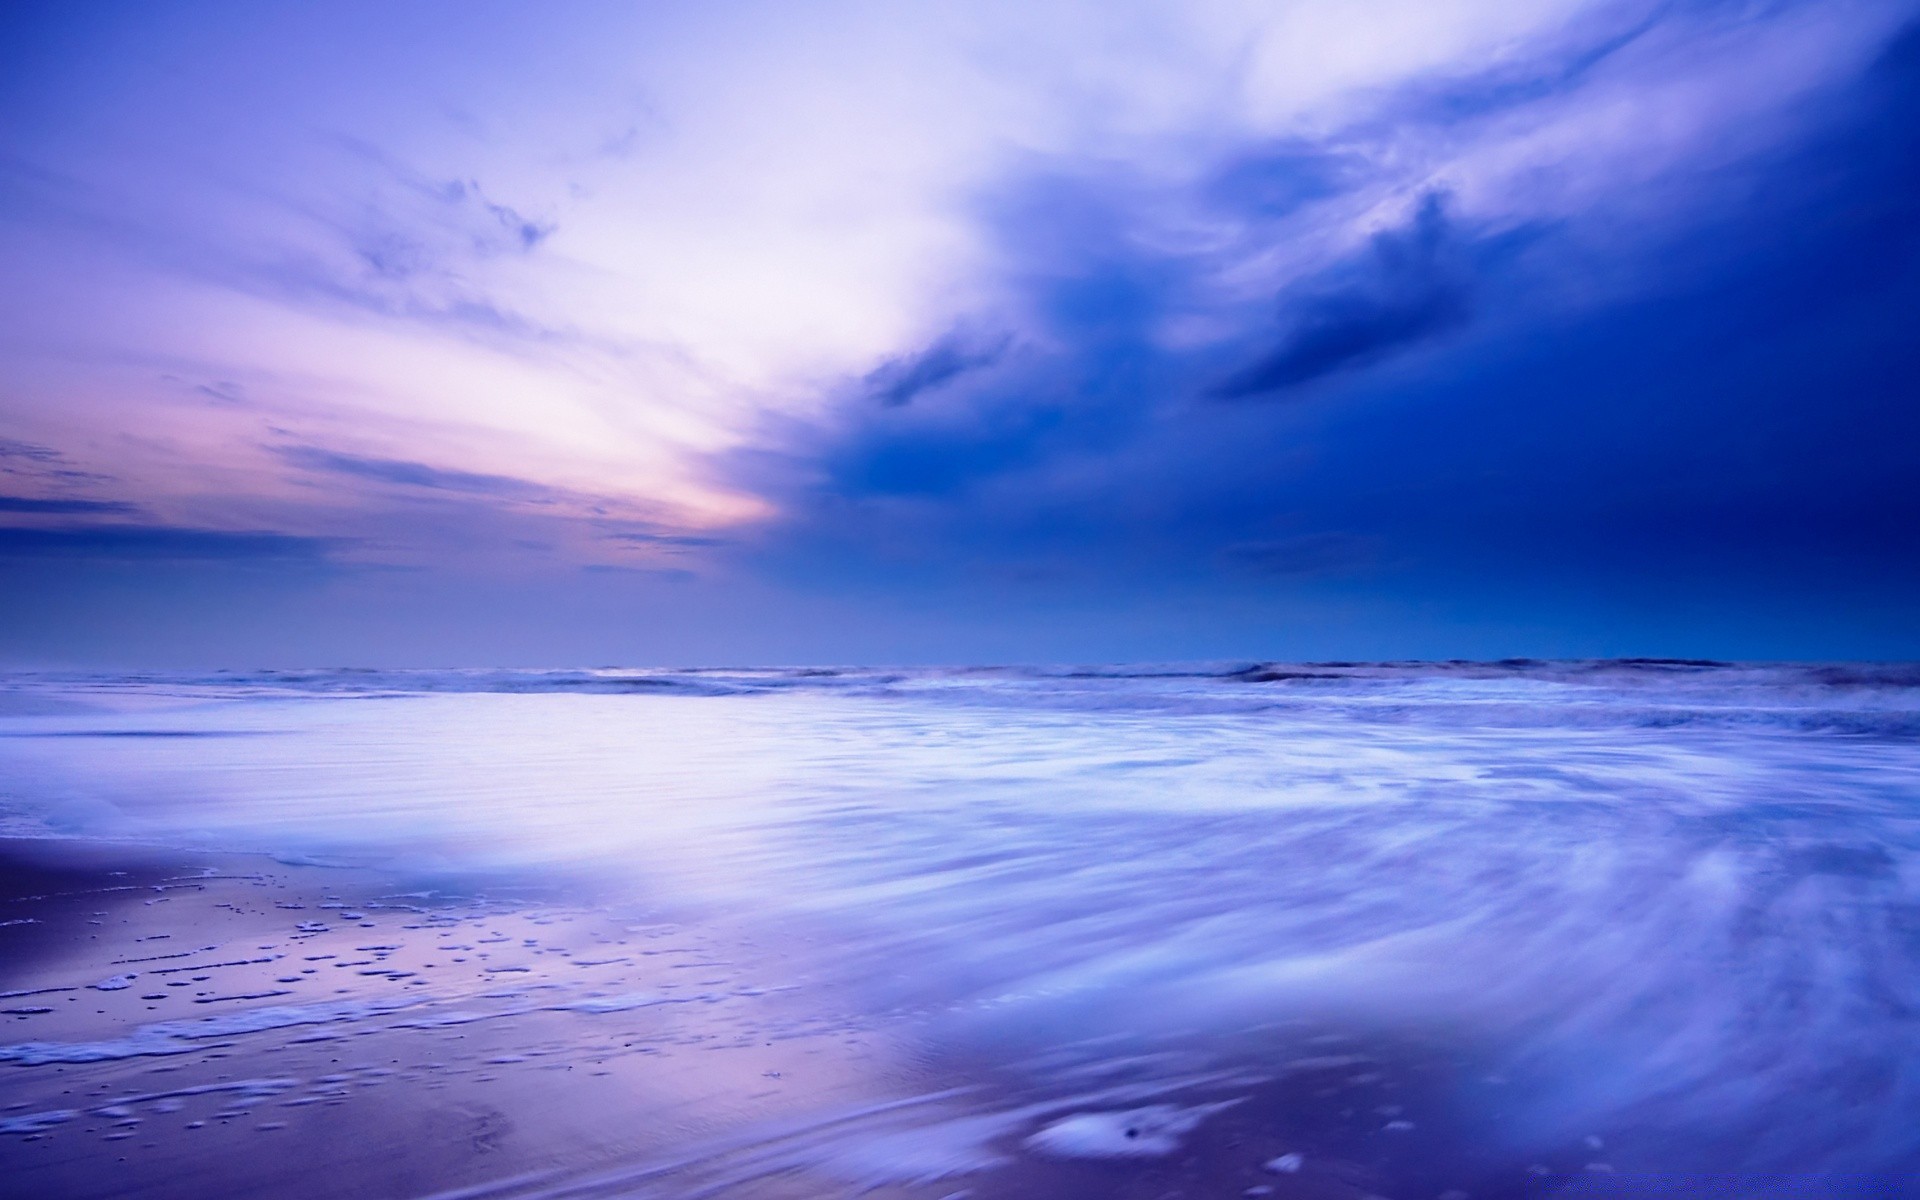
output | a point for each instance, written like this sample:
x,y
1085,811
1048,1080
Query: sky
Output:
x,y
512,334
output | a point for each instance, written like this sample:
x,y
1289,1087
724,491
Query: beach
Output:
x,y
1336,932
233,1025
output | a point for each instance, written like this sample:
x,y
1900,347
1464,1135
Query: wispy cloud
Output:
x,y
402,473
64,507
27,452
687,540
160,543
43,466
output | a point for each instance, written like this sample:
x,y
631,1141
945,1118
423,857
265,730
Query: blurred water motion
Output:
x,y
1600,921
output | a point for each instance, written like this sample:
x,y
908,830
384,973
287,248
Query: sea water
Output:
x,y
1660,919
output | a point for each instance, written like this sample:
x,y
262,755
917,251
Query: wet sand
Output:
x,y
181,1024
205,1025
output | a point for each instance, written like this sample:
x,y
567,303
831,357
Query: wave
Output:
x,y
1668,902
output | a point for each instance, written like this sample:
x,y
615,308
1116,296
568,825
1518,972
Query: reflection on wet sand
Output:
x,y
230,1025
391,1043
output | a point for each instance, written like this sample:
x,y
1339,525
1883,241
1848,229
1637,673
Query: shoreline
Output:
x,y
196,1023
167,1011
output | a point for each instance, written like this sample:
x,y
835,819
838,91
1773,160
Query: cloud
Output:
x,y
664,539
1413,287
391,278
165,543
900,380
32,504
28,452
42,464
1401,214
404,473
392,507
664,574
455,214
1275,180
222,391
1525,344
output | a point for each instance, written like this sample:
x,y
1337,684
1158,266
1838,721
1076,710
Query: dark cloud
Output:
x,y
26,461
664,574
1720,396
28,452
161,543
413,474
33,504
641,538
899,380
1092,295
1413,287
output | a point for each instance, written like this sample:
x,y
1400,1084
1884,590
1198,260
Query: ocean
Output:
x,y
1594,928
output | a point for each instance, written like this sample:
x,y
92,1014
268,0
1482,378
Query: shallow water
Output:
x,y
1613,925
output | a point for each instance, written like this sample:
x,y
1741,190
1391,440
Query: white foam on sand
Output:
x,y
918,1154
1154,1131
180,1037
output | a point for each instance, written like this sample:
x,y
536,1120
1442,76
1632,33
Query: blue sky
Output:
x,y
857,332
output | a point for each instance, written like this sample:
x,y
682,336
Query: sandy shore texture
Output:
x,y
209,1025
221,1025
